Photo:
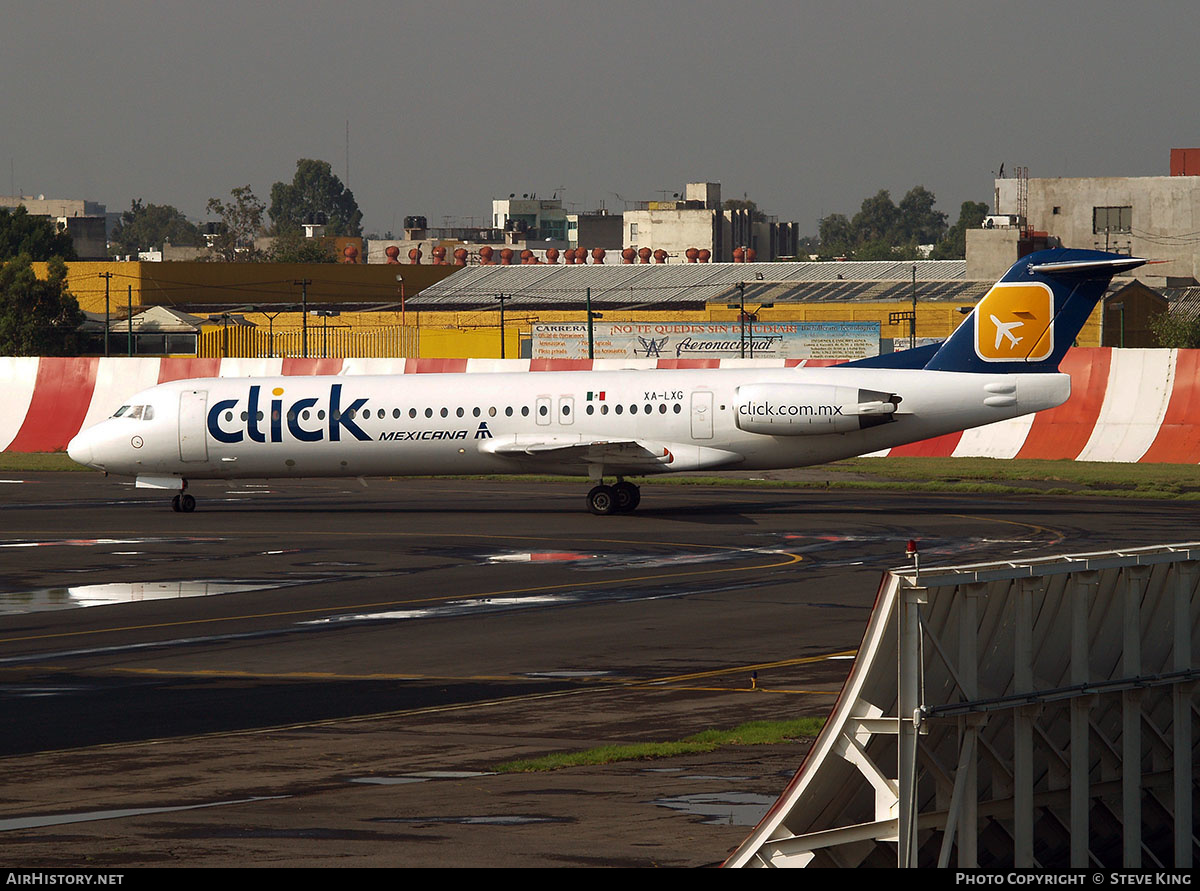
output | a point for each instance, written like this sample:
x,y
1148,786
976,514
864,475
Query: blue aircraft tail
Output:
x,y
1029,318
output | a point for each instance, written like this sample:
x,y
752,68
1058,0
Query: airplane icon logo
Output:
x,y
1015,323
1004,329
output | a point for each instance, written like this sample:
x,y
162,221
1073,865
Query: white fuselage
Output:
x,y
352,425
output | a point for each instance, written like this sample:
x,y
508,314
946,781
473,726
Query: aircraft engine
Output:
x,y
782,409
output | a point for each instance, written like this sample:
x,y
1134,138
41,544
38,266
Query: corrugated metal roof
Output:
x,y
652,284
1184,301
860,292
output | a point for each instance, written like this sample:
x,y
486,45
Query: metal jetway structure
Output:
x,y
1038,713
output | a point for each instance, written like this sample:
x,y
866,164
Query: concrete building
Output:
x,y
598,229
85,221
1147,216
694,222
698,222
530,218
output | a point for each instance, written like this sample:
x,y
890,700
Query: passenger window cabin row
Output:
x,y
146,412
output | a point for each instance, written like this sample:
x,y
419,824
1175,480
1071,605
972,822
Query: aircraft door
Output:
x,y
702,414
541,410
566,410
193,442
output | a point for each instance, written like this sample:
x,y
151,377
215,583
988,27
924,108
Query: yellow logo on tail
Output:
x,y
1015,323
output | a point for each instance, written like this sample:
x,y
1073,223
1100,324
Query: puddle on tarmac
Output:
x,y
590,562
453,608
700,776
540,557
33,822
565,673
481,605
421,776
77,596
848,550
101,542
722,808
480,820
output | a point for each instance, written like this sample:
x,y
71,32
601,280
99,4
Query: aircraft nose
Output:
x,y
79,449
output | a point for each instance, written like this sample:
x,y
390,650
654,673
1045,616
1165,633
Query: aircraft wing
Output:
x,y
621,456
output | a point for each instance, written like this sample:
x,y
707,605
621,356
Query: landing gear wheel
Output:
x,y
187,503
602,500
175,504
628,496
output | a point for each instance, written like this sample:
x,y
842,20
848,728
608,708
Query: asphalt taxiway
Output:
x,y
316,673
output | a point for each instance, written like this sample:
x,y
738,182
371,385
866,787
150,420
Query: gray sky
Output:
x,y
805,107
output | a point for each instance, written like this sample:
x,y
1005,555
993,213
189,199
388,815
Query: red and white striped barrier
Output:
x,y
1125,405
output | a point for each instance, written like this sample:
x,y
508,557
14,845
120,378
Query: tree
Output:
x,y
35,236
756,215
293,247
147,226
836,234
37,317
877,219
1173,330
954,245
314,189
241,222
919,223
883,249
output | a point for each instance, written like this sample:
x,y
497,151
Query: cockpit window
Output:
x,y
135,412
148,414
120,411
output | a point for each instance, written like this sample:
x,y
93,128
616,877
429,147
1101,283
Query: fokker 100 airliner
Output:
x,y
619,423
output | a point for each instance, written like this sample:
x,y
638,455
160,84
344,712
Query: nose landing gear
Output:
x,y
183,502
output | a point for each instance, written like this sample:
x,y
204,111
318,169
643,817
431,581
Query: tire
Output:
x,y
175,504
628,496
187,503
602,500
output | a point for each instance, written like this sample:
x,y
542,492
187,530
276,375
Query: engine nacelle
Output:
x,y
807,409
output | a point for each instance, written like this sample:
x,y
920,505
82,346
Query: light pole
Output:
x,y
106,276
1120,307
400,281
912,325
271,316
742,315
223,318
752,318
502,298
591,316
325,315
303,283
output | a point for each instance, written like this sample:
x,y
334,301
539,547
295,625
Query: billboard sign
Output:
x,y
708,340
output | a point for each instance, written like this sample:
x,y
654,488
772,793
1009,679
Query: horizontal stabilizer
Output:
x,y
1107,268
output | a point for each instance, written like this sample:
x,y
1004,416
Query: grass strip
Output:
x,y
30,462
754,733
985,476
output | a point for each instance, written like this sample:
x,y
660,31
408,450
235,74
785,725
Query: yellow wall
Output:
x,y
232,284
444,333
451,343
473,333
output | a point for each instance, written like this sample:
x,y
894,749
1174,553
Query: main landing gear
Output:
x,y
617,499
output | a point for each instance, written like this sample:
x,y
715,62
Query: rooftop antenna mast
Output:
x,y
1023,200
